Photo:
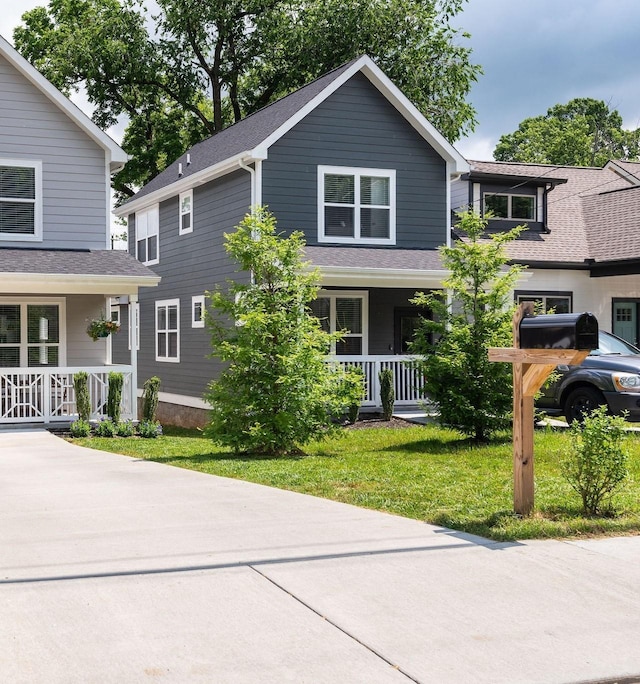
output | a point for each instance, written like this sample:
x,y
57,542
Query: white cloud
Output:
x,y
476,147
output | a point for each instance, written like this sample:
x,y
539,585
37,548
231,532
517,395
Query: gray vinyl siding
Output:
x,y
382,305
81,349
357,127
189,265
75,211
460,195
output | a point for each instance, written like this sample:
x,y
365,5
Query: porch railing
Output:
x,y
407,379
46,395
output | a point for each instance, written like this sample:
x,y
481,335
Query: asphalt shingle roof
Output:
x,y
571,210
72,262
383,258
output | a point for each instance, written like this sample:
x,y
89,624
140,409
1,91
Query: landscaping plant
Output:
x,y
114,396
80,428
125,428
83,401
596,465
150,399
105,428
472,395
276,391
387,393
149,429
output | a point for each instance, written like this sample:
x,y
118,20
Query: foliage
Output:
x,y
473,395
150,399
596,465
276,391
355,388
101,327
424,472
149,429
125,428
105,428
81,390
387,393
114,396
583,132
80,428
195,67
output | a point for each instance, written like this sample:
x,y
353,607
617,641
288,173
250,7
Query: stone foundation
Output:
x,y
176,414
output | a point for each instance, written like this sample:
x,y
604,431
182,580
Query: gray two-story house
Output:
x,y
57,271
346,159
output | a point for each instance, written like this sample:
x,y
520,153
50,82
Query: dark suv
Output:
x,y
609,375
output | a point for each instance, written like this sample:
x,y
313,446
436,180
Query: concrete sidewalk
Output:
x,y
119,570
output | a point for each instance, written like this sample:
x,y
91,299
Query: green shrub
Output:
x,y
149,429
125,428
354,392
105,428
150,399
596,466
114,396
83,401
387,393
80,428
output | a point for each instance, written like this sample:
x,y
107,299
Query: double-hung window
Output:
x,y
31,333
168,330
186,212
356,205
515,207
344,311
558,302
147,229
20,200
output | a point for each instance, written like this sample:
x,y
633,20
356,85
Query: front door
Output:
x,y
625,320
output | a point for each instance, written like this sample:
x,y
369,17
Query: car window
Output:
x,y
608,344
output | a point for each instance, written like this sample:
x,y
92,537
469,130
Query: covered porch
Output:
x,y
47,299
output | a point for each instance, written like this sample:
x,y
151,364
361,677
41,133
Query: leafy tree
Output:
x,y
195,67
277,391
473,395
583,132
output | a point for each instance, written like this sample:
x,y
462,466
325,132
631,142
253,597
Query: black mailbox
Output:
x,y
559,331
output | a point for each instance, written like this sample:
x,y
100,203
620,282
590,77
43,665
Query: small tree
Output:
x,y
473,395
150,399
597,463
114,396
83,401
277,391
387,392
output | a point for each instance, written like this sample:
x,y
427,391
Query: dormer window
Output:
x,y
514,207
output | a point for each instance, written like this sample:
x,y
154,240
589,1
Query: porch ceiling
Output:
x,y
32,271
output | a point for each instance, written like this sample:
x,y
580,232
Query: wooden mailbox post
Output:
x,y
531,367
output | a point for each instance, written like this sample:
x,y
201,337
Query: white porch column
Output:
x,y
108,355
134,334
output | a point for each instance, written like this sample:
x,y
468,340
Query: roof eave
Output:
x,y
64,283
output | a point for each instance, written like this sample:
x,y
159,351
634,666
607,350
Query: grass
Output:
x,y
425,472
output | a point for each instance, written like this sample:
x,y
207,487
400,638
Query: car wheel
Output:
x,y
582,401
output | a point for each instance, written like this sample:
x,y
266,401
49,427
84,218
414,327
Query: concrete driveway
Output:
x,y
119,570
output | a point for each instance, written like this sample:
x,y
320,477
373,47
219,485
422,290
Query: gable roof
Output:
x,y
579,229
116,156
250,139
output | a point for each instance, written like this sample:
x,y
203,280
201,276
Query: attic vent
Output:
x,y
188,159
179,169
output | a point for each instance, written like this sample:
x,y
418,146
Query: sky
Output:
x,y
534,54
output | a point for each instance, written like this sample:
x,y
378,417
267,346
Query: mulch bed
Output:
x,y
374,420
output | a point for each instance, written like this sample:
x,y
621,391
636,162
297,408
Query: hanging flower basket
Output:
x,y
101,327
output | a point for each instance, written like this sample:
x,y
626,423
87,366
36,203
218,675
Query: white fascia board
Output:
x,y
116,155
629,176
199,178
395,96
380,277
34,283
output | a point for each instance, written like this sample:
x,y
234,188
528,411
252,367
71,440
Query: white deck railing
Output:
x,y
46,395
407,379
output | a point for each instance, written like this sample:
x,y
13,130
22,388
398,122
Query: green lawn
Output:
x,y
425,473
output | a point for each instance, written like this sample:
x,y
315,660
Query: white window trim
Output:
x,y
509,197
332,295
37,212
23,302
544,296
197,323
167,303
357,172
155,209
189,194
